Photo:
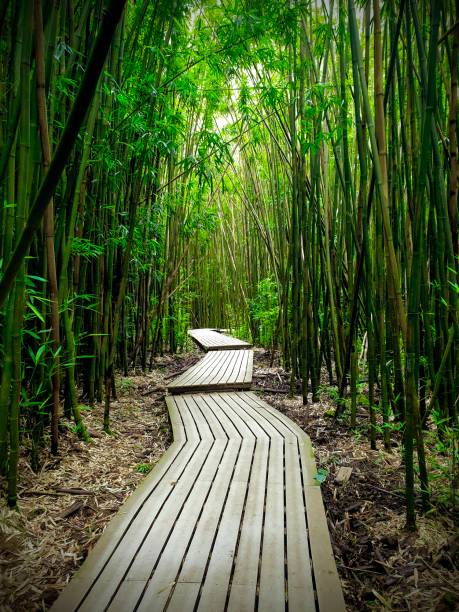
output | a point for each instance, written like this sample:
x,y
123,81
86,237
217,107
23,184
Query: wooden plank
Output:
x,y
223,373
219,370
130,590
242,470
178,428
308,465
278,425
246,358
215,587
210,339
232,404
177,405
272,573
231,371
159,585
213,402
205,431
201,369
165,573
197,555
185,594
267,422
135,510
242,597
244,583
249,370
149,552
301,596
255,411
198,402
134,559
212,364
328,587
242,425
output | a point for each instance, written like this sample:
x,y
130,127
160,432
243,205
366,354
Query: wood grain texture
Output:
x,y
218,370
230,518
213,340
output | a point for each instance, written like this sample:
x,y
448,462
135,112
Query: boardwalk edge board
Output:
x,y
230,518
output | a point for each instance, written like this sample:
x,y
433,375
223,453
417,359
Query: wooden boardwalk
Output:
x,y
218,370
230,518
213,340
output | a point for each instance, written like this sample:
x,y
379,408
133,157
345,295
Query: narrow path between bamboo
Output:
x,y
231,517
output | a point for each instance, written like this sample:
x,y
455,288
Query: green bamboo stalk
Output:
x,y
392,260
63,151
23,193
49,221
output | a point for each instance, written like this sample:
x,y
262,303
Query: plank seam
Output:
x,y
151,526
198,598
303,490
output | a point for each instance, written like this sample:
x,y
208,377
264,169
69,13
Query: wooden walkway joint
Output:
x,y
231,518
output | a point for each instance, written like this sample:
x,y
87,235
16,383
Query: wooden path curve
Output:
x,y
230,518
218,370
213,340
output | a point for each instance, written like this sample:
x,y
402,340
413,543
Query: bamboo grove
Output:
x,y
168,164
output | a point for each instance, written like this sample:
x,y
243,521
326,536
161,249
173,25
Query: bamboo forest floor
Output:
x,y
381,566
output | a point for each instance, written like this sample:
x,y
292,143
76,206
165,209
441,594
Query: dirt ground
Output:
x,y
65,507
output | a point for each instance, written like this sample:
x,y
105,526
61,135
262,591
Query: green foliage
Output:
x,y
321,475
85,248
329,392
125,385
264,310
80,430
144,468
442,444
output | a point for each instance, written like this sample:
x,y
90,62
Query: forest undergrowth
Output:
x,y
66,506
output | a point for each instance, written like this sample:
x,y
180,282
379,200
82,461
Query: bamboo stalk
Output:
x,y
63,151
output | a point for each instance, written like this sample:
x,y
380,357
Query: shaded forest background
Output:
x,y
284,170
